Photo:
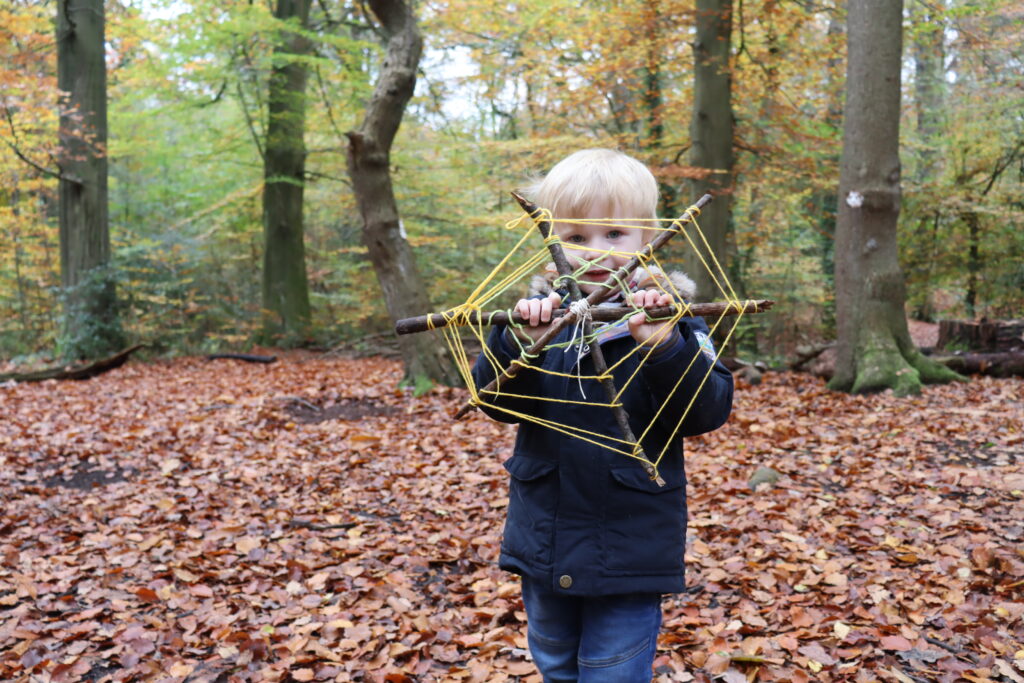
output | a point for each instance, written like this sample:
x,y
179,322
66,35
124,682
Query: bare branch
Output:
x,y
249,121
58,174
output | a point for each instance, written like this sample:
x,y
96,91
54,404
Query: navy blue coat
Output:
x,y
586,520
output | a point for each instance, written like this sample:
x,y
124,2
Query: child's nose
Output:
x,y
590,253
597,250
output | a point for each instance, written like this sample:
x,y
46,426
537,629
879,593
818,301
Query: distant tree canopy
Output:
x,y
503,91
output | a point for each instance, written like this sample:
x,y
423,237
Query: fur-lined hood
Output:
x,y
642,278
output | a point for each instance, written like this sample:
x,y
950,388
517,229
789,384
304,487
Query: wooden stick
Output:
x,y
600,314
597,296
566,270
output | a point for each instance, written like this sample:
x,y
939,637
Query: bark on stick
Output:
x,y
601,314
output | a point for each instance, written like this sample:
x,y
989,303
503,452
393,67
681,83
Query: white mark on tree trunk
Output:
x,y
855,199
870,246
401,230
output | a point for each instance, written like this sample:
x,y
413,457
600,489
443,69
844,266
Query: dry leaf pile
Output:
x,y
221,521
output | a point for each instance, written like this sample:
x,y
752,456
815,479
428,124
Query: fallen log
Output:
x,y
1004,364
73,372
1007,364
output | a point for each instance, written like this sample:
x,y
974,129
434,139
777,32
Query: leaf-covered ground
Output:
x,y
205,521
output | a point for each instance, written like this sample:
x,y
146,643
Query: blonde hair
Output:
x,y
597,177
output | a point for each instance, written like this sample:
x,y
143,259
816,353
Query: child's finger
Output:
x,y
523,308
545,309
643,298
534,312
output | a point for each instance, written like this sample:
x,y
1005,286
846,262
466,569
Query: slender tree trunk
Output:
x,y
929,84
973,262
369,152
825,197
874,350
286,310
711,134
654,102
91,327
929,111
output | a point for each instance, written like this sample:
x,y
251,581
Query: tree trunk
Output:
x,y
929,80
825,197
369,153
653,100
91,327
874,349
929,112
711,134
286,311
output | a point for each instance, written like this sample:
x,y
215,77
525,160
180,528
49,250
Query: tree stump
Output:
x,y
984,336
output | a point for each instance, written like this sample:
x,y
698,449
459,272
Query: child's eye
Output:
x,y
615,234
575,239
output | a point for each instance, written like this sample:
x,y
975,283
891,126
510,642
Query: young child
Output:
x,y
596,541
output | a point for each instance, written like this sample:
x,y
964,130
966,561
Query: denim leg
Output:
x,y
552,631
619,639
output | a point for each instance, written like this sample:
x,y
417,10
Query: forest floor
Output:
x,y
220,521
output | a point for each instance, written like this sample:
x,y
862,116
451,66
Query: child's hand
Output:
x,y
649,333
537,314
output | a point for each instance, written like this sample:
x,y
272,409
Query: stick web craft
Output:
x,y
581,315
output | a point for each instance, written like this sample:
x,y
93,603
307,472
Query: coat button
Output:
x,y
565,581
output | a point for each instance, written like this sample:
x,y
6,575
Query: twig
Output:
x,y
601,314
251,358
295,523
947,647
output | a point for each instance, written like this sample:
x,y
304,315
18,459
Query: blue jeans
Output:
x,y
592,639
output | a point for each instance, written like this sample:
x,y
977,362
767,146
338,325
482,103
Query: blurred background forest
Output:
x,y
504,90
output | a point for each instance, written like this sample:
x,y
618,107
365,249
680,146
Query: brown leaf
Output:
x,y
898,643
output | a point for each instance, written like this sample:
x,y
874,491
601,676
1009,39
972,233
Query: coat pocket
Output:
x,y
645,524
532,502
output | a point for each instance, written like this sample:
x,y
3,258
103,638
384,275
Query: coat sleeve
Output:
x,y
503,352
670,382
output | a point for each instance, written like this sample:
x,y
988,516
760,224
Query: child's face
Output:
x,y
599,249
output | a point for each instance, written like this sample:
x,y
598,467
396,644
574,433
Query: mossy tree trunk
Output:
x,y
286,288
711,136
369,154
91,326
286,310
874,349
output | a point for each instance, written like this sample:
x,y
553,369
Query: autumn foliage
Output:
x,y
220,521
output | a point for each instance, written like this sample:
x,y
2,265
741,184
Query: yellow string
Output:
x,y
492,287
